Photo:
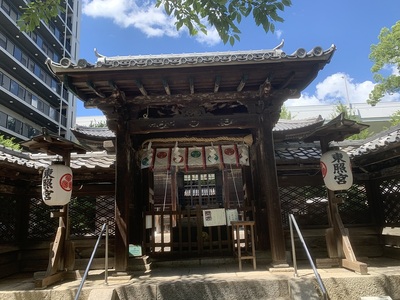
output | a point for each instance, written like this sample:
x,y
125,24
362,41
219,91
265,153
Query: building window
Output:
x,y
17,53
3,119
6,82
3,40
14,87
11,123
34,101
6,7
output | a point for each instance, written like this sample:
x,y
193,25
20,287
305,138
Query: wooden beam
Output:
x,y
217,82
93,87
288,80
141,87
242,83
144,100
166,87
49,280
356,266
144,126
56,252
112,84
191,85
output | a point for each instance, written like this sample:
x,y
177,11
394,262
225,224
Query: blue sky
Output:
x,y
129,27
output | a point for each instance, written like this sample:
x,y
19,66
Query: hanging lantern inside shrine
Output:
x,y
57,184
336,170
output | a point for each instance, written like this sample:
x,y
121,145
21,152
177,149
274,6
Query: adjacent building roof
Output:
x,y
385,144
93,137
39,161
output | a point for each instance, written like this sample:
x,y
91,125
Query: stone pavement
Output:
x,y
217,281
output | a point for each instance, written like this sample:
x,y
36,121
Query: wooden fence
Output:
x,y
182,233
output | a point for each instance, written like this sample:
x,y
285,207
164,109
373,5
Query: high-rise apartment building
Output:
x,y
30,96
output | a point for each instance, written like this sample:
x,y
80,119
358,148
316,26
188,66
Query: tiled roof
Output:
x,y
195,59
297,152
90,160
286,153
98,132
19,158
283,126
381,141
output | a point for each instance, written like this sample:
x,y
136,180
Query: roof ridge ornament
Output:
x,y
280,45
97,53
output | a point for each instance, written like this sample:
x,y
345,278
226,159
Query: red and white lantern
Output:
x,y
57,184
336,170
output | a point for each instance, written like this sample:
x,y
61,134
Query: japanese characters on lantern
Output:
x,y
336,170
57,185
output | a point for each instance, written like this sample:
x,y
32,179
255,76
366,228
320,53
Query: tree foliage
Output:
x,y
38,10
285,114
195,15
98,124
386,54
349,114
224,15
395,118
9,143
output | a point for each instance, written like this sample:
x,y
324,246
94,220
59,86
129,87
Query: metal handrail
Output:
x,y
292,222
103,228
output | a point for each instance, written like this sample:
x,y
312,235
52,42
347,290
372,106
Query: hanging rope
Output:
x,y
165,191
248,139
234,185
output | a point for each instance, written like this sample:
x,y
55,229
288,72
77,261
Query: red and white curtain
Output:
x,y
195,157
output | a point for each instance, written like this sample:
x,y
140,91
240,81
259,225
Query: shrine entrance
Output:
x,y
189,212
190,118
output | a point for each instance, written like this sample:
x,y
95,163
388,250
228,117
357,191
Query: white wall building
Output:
x,y
30,97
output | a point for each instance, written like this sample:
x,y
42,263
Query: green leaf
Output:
x,y
232,40
280,6
287,2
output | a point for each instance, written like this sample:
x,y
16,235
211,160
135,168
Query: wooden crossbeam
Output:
x,y
350,261
217,83
141,87
93,87
245,121
191,85
49,280
166,87
244,96
113,85
242,83
288,80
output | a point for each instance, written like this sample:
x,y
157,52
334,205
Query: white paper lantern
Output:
x,y
57,184
336,170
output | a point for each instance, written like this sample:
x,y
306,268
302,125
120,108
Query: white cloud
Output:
x,y
278,33
339,88
210,39
142,15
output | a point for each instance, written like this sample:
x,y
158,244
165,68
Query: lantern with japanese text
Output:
x,y
57,184
336,170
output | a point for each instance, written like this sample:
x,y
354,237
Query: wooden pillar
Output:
x,y
269,183
136,205
123,193
375,202
262,239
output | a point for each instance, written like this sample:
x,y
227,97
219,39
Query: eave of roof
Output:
x,y
337,129
382,141
205,75
191,59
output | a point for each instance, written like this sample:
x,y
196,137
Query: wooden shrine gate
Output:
x,y
183,233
